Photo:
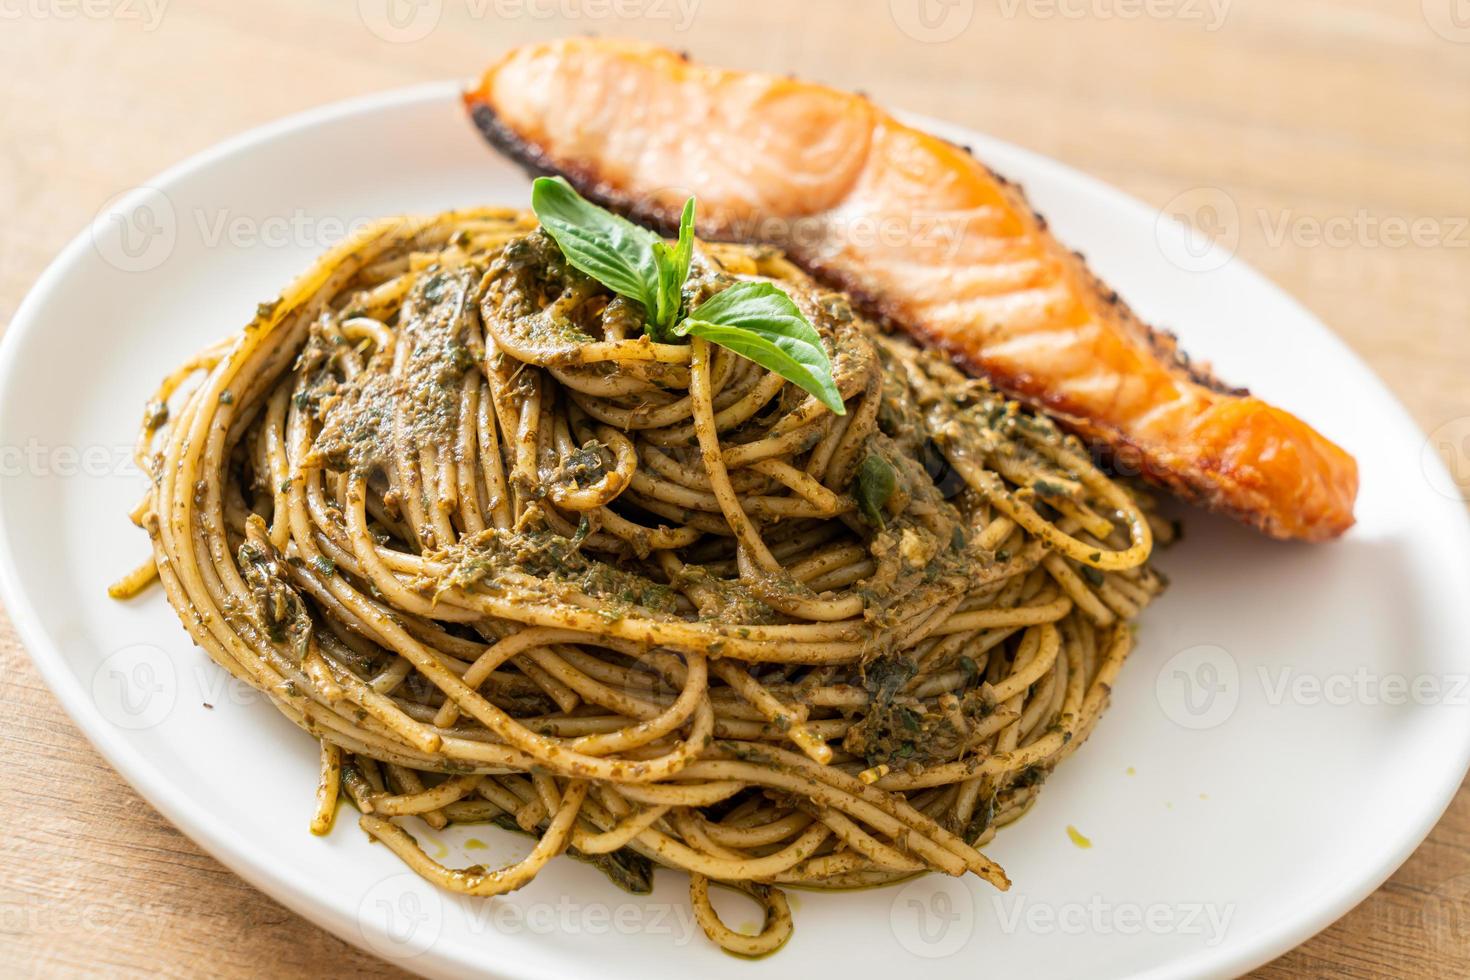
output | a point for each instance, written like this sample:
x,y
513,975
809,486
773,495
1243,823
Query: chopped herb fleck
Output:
x,y
874,484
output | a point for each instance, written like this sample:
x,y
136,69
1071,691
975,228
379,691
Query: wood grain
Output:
x,y
1327,125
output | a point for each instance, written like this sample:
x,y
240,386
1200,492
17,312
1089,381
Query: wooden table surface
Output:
x,y
1337,130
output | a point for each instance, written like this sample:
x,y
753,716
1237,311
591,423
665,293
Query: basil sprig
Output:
x,y
756,320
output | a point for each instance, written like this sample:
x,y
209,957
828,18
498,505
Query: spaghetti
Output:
x,y
507,559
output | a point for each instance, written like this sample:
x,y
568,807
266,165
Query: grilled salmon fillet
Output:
x,y
927,239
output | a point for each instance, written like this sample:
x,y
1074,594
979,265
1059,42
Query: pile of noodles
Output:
x,y
509,560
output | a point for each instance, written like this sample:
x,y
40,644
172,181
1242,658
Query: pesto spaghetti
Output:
x,y
509,559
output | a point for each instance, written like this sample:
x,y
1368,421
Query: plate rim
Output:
x,y
293,889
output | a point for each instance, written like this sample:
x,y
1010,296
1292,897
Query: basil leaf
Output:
x,y
874,484
760,322
755,320
673,268
610,249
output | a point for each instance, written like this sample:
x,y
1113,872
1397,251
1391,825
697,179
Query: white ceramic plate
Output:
x,y
1291,726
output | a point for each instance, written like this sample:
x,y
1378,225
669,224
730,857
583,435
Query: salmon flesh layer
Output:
x,y
923,236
